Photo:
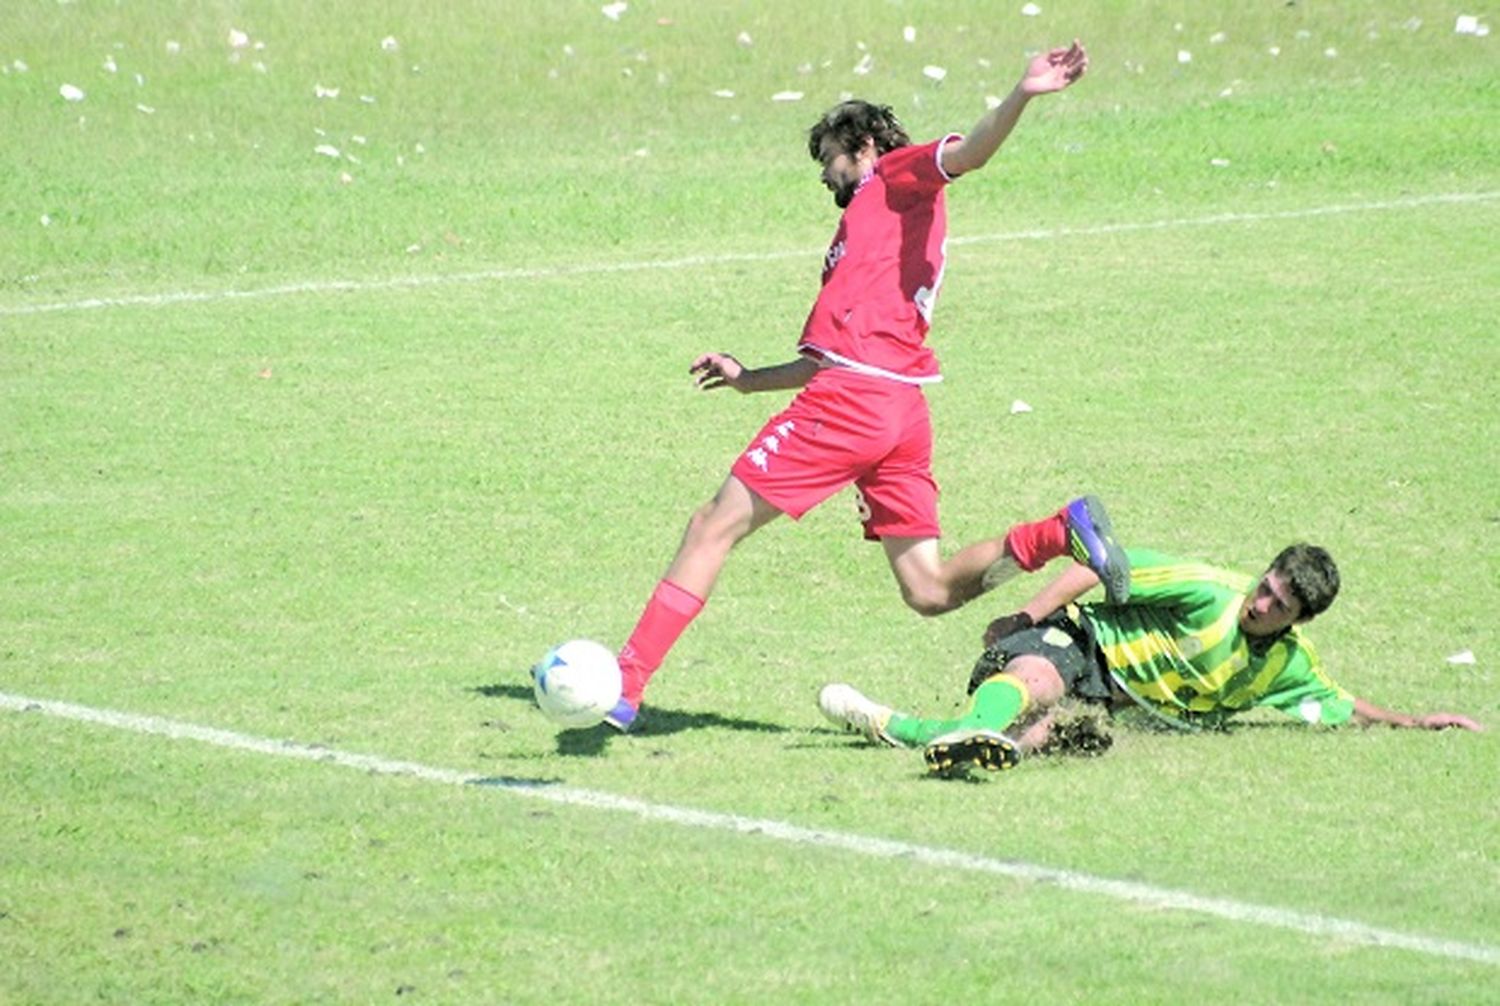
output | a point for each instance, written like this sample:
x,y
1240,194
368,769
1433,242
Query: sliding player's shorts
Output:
x,y
1061,640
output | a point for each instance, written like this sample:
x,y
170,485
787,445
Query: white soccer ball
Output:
x,y
576,683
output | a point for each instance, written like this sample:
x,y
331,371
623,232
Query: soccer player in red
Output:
x,y
861,416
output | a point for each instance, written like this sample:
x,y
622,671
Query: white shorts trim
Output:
x,y
838,360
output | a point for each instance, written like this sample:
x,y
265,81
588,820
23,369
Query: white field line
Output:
x,y
1121,890
700,261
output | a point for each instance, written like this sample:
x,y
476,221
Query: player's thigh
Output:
x,y
735,511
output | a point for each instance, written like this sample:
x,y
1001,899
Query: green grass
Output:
x,y
353,518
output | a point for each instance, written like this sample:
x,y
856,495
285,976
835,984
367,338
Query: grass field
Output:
x,y
326,448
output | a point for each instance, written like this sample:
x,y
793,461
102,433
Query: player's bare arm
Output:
x,y
1368,714
720,370
1067,587
1049,72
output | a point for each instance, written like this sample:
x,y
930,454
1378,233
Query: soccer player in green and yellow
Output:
x,y
1191,644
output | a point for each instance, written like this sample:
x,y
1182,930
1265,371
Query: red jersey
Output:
x,y
883,269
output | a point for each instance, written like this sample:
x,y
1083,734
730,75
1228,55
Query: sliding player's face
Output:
x,y
1269,608
842,171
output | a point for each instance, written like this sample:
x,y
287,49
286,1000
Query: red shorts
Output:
x,y
846,427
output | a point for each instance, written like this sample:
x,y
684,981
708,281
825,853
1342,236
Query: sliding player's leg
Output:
x,y
1026,681
979,738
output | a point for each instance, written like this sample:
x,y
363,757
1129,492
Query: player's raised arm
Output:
x,y
1049,72
1367,713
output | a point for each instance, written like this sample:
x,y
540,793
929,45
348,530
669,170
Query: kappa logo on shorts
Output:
x,y
760,456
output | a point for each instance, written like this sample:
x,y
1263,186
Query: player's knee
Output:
x,y
700,527
712,526
1044,685
927,599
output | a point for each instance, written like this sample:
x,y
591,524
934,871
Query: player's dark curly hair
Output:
x,y
1310,575
849,122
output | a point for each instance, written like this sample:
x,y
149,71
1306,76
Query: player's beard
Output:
x,y
844,195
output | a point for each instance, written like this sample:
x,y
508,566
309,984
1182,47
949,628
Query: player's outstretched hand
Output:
x,y
1055,70
717,370
1442,721
1004,626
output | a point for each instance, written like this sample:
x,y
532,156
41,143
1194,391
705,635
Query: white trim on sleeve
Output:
x,y
938,154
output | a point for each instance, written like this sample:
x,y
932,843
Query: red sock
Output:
x,y
668,613
1035,544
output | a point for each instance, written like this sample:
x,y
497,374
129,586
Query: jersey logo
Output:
x,y
834,254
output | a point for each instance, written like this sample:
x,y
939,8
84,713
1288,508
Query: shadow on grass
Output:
x,y
829,738
655,721
517,782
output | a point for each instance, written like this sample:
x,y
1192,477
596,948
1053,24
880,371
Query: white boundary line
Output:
x,y
1121,890
697,261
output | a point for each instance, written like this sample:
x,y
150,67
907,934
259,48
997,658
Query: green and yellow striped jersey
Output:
x,y
1176,647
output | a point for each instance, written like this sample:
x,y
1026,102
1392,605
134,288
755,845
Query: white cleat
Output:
x,y
846,707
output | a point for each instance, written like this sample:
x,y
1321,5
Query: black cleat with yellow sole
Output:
x,y
953,754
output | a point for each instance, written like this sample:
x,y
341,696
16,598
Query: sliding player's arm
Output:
x,y
1368,714
1071,584
1157,580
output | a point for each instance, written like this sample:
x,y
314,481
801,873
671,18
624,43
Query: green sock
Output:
x,y
994,706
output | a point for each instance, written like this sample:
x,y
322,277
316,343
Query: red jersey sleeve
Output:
x,y
914,171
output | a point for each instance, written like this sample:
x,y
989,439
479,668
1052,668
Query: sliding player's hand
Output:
x,y
1443,721
1005,626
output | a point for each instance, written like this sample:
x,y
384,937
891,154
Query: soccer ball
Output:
x,y
576,683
